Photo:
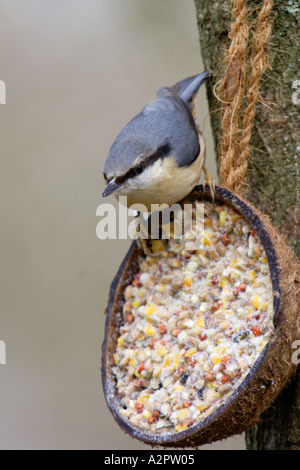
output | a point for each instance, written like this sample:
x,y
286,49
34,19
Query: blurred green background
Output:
x,y
76,71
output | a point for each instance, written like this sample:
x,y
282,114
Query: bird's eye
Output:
x,y
139,168
104,176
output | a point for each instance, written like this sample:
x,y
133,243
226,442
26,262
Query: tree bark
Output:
x,y
273,175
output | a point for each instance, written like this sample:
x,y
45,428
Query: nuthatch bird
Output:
x,y
158,157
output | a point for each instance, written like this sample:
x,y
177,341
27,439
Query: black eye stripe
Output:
x,y
161,152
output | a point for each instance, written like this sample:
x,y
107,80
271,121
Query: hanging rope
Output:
x,y
238,94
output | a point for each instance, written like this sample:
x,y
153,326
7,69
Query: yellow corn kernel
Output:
x,y
152,308
206,241
264,306
234,263
183,413
143,399
263,259
188,282
222,218
215,358
190,352
147,414
160,287
223,282
157,246
132,362
200,323
180,427
149,330
116,359
178,388
167,359
176,361
121,341
162,351
136,303
208,222
255,301
252,275
156,371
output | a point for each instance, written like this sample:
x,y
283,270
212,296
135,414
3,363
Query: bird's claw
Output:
x,y
142,244
209,181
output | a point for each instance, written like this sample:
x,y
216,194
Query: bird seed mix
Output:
x,y
194,324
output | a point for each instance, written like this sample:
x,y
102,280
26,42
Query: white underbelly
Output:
x,y
164,183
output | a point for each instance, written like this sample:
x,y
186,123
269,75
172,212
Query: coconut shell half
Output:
x,y
268,375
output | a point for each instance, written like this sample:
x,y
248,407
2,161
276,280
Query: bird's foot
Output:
x,y
142,244
209,181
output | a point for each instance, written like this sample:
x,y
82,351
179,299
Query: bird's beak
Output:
x,y
111,188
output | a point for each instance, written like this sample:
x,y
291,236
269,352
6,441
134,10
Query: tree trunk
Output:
x,y
273,174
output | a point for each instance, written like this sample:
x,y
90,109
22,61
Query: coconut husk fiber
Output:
x,y
268,375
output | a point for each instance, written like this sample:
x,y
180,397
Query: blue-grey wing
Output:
x,y
170,119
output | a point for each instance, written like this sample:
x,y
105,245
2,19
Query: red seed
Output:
x,y
140,383
216,305
225,239
156,414
225,359
242,287
175,332
139,407
141,367
192,361
202,337
129,318
256,330
163,329
209,376
136,282
236,291
214,280
190,423
224,379
186,404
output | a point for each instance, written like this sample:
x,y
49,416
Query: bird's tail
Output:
x,y
187,89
